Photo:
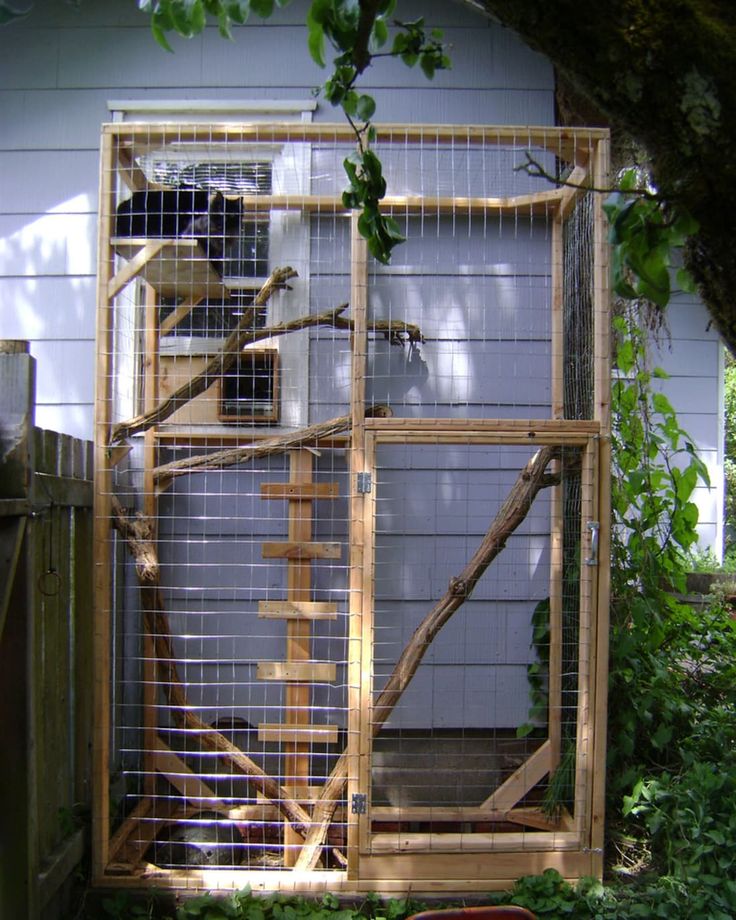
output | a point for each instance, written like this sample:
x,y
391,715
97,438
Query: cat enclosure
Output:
x,y
351,518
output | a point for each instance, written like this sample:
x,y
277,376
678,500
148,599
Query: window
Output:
x,y
196,318
249,391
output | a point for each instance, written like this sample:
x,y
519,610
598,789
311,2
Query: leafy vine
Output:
x,y
356,30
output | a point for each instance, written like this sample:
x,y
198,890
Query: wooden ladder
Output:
x,y
297,733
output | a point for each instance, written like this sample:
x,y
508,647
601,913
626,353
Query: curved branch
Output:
x,y
217,366
530,481
139,535
231,456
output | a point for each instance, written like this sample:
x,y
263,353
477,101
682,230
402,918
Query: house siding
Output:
x,y
54,98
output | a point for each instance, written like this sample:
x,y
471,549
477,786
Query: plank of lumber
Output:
x,y
314,734
302,671
301,549
521,781
297,610
177,315
132,268
305,491
170,765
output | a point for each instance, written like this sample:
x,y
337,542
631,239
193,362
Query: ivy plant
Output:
x,y
645,231
356,32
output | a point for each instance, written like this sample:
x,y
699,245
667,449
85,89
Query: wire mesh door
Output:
x,y
483,574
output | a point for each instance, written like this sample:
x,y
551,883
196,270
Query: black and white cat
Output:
x,y
215,221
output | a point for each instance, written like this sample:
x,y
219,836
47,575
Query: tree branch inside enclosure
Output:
x,y
244,334
138,535
530,481
231,456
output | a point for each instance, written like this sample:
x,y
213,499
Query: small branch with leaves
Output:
x,y
645,229
356,31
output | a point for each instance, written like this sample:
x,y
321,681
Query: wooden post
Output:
x,y
18,836
296,733
359,731
150,509
298,644
103,536
554,711
602,307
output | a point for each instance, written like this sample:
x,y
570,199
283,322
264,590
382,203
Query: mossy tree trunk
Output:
x,y
664,72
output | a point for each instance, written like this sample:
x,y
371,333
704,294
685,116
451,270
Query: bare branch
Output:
x,y
530,481
220,363
231,456
139,535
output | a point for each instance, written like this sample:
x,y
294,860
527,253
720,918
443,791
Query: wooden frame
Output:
x,y
502,805
468,862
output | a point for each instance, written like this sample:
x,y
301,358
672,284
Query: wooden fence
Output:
x,y
45,650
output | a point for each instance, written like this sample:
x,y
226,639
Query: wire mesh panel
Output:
x,y
473,735
299,451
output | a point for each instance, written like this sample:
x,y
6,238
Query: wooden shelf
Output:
x,y
175,268
301,550
297,610
301,671
290,733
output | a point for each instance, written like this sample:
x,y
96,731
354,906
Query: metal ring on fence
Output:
x,y
49,583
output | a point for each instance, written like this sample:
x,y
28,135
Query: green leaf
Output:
x,y
380,33
662,736
8,14
160,37
349,103
223,24
262,8
315,33
365,107
393,230
685,281
427,63
198,19
238,12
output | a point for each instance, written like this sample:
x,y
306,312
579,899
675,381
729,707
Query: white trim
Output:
x,y
209,109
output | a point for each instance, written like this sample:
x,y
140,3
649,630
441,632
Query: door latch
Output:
x,y
593,528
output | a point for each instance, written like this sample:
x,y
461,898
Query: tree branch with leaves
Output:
x,y
356,30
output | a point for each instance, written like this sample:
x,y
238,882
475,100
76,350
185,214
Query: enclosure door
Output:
x,y
481,578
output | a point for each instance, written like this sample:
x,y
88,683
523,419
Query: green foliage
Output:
x,y
655,472
644,231
537,672
730,456
243,905
672,709
8,12
356,32
124,906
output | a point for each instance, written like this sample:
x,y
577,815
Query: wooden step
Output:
x,y
299,549
300,491
297,610
295,734
300,671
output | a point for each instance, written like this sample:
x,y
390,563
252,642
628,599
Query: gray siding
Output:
x,y
54,98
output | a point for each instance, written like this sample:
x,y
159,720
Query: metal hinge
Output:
x,y
593,528
364,482
359,803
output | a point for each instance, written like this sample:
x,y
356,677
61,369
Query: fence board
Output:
x,y
45,650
